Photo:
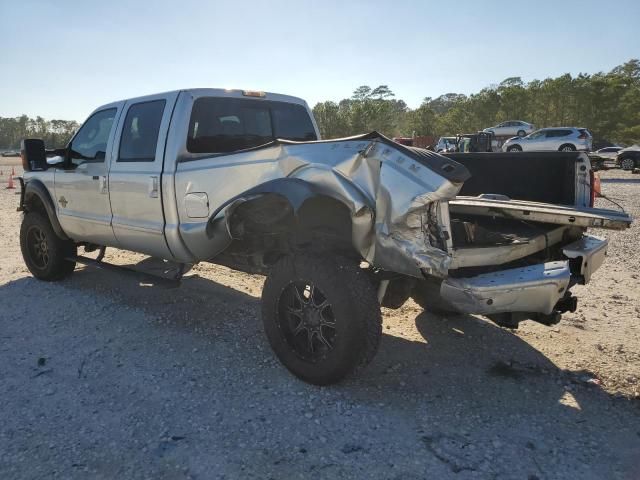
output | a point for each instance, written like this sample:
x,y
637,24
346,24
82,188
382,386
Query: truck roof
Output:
x,y
221,92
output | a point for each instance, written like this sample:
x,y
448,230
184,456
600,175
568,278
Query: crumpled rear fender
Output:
x,y
393,195
296,192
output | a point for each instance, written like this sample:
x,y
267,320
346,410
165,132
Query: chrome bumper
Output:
x,y
532,289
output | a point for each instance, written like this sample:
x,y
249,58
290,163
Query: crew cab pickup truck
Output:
x,y
339,227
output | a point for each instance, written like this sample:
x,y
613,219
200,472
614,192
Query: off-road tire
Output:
x,y
514,148
354,304
36,233
567,147
426,293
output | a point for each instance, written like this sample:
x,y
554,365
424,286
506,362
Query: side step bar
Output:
x,y
143,276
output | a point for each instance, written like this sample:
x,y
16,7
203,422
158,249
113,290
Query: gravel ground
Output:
x,y
105,376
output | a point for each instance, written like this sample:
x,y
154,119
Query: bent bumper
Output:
x,y
531,289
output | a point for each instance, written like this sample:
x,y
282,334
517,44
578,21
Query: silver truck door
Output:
x,y
81,192
135,177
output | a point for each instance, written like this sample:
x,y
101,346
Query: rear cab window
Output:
x,y
225,125
140,132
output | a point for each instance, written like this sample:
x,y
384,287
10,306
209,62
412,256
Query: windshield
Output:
x,y
536,134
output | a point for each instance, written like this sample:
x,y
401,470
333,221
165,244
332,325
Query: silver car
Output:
x,y
511,128
563,139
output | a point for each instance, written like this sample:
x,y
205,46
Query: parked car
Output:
x,y
608,152
339,227
511,128
10,153
564,139
629,158
446,144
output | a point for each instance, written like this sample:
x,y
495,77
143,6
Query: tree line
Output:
x,y
55,133
608,104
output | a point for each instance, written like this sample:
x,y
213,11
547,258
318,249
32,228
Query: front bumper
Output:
x,y
535,289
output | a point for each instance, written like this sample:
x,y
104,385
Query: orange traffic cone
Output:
x,y
11,185
596,185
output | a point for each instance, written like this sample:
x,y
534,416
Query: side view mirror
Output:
x,y
34,156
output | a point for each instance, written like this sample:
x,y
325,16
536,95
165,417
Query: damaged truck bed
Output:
x,y
339,227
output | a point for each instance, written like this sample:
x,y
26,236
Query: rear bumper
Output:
x,y
532,289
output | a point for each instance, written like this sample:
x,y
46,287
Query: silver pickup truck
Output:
x,y
339,227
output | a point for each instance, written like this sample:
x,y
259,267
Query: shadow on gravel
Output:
x,y
459,347
460,351
474,362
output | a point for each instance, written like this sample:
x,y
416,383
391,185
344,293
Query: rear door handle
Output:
x,y
153,186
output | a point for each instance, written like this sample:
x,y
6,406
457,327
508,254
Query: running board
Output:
x,y
143,276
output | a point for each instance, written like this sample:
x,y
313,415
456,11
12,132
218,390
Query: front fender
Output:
x,y
36,193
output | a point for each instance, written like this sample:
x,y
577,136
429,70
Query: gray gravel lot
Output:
x,y
105,376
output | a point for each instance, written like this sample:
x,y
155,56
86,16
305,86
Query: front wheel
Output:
x,y
321,316
567,148
45,254
514,148
627,163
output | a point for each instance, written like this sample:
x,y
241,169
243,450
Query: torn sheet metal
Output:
x,y
388,188
542,212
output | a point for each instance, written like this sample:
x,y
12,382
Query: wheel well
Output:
x,y
324,219
34,203
267,227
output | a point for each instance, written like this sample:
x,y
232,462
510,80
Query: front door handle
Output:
x,y
153,186
103,184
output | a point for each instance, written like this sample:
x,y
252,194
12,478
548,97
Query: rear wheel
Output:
x,y
44,253
321,316
627,163
521,133
514,148
567,147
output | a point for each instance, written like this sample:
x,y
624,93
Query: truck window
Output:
x,y
224,125
90,143
292,122
140,132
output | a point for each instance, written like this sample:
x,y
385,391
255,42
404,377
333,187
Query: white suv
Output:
x,y
564,139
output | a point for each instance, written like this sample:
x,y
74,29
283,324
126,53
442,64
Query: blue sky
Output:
x,y
61,59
